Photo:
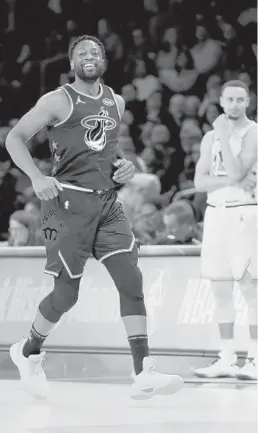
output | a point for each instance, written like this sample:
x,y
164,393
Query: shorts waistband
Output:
x,y
82,189
231,205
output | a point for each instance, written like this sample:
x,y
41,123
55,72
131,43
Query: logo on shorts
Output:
x,y
50,234
97,125
108,102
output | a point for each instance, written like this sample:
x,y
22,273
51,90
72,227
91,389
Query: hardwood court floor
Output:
x,y
78,407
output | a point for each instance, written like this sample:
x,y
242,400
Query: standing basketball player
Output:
x,y
81,214
226,171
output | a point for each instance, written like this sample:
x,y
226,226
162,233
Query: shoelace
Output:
x,y
250,361
151,367
38,363
219,359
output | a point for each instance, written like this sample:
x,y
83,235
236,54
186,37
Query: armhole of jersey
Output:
x,y
115,101
71,110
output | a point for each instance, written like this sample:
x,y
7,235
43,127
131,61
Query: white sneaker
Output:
x,y
222,367
31,371
248,371
149,383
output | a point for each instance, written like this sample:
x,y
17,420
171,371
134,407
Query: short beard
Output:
x,y
233,117
90,79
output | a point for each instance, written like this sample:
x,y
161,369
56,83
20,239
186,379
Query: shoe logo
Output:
x,y
66,205
148,390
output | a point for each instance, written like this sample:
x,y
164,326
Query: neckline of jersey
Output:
x,y
88,96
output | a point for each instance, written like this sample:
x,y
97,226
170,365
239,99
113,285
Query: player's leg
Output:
x,y
248,287
245,269
216,267
115,247
67,253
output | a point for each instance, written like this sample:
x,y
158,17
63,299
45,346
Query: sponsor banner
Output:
x,y
179,304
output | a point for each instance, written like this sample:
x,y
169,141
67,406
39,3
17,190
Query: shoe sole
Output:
x,y
242,376
214,376
171,388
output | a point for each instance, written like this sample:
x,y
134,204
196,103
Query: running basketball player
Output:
x,y
227,172
81,214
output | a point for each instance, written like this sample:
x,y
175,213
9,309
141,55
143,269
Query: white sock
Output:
x,y
252,349
227,348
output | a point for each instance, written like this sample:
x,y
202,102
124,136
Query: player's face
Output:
x,y
234,101
88,63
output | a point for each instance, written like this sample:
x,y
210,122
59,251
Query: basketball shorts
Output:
x,y
229,246
77,224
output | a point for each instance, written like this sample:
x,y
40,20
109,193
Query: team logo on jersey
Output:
x,y
108,102
97,125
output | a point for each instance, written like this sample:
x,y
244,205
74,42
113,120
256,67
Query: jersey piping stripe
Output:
x,y
115,101
71,110
88,96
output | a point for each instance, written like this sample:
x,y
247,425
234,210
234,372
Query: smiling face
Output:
x,y
234,101
87,61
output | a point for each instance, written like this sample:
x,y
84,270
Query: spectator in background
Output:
x,y
145,82
127,146
115,54
23,230
156,112
132,103
252,108
168,51
7,192
183,77
177,111
32,208
211,113
207,52
180,226
212,95
192,105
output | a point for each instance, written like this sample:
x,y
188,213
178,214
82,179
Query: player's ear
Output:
x,y
221,101
72,65
248,101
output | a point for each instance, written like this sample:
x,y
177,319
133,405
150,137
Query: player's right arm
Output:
x,y
203,180
45,111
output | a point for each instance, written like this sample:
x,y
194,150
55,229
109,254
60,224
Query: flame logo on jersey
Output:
x,y
97,126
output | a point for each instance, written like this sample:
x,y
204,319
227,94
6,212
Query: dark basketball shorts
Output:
x,y
77,224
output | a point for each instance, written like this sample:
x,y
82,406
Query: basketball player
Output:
x,y
226,171
81,214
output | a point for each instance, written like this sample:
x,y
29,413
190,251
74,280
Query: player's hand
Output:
x,y
222,126
46,187
249,182
125,171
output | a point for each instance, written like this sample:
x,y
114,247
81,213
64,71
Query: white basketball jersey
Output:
x,y
230,194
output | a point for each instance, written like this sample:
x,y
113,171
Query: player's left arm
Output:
x,y
239,166
125,169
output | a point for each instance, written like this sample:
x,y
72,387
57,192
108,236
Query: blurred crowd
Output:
x,y
167,58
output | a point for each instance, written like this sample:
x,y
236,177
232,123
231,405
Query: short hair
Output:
x,y
235,83
86,38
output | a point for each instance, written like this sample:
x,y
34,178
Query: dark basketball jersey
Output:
x,y
84,146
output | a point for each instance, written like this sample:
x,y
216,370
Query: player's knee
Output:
x,y
224,311
128,279
249,292
63,297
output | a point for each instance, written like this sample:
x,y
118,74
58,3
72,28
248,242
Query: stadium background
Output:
x,y
167,58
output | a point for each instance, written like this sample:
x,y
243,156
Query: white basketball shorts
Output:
x,y
229,246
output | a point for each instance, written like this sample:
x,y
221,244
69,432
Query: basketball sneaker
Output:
x,y
149,383
248,371
224,366
31,371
